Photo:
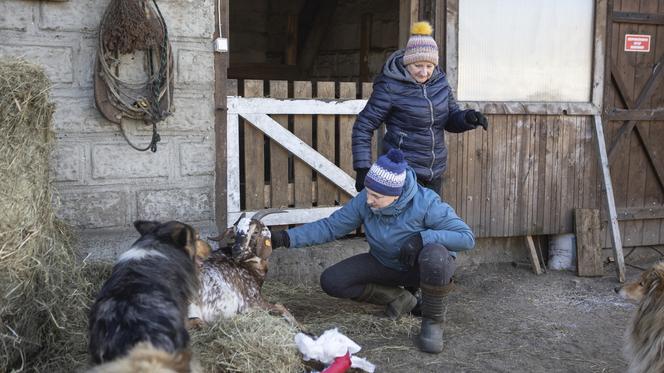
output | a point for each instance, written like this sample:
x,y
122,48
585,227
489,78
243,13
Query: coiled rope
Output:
x,y
127,26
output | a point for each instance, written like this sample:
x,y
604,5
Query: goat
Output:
x,y
232,277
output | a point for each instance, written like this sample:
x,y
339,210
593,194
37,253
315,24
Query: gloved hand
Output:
x,y
279,239
476,118
360,174
410,250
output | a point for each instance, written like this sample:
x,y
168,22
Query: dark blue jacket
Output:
x,y
416,116
418,210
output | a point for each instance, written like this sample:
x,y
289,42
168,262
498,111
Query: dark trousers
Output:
x,y
347,278
436,185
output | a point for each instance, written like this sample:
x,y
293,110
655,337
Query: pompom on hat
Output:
x,y
421,46
388,175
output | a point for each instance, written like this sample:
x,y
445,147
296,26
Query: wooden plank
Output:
x,y
325,136
291,216
599,55
233,164
254,152
531,108
636,115
294,106
279,155
499,179
346,91
221,123
305,154
476,173
638,18
640,213
408,10
302,129
588,248
610,202
486,169
532,255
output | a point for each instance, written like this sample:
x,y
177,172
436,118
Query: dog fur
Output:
x,y
645,334
147,295
145,358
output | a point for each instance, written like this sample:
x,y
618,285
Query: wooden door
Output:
x,y
634,117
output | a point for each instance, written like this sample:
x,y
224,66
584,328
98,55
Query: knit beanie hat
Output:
x,y
421,47
388,175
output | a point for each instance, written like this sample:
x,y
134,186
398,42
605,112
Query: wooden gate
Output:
x,y
634,117
291,151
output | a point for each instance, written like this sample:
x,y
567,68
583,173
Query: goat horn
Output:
x,y
219,237
263,213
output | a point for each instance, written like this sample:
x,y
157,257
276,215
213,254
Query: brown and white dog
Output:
x,y
232,278
645,334
146,298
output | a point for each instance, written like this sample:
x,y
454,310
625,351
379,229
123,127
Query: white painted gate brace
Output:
x,y
255,111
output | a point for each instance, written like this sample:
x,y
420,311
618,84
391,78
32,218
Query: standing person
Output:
x,y
412,96
413,238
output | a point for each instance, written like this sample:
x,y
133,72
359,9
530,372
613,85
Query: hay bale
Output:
x,y
44,300
251,342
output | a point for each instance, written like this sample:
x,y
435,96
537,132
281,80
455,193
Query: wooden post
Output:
x,y
532,255
588,247
408,12
220,127
610,202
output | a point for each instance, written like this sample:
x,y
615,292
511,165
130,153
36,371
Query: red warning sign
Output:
x,y
637,43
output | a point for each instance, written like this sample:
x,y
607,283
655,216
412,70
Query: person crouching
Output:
x,y
413,241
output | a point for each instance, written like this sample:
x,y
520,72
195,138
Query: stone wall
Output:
x,y
103,183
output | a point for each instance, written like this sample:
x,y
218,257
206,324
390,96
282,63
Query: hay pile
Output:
x,y
250,342
41,286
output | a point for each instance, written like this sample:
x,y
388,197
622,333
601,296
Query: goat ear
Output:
x,y
146,226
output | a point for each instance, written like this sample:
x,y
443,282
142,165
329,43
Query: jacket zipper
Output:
x,y
433,140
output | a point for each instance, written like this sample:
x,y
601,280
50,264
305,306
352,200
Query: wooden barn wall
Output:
x,y
524,176
635,182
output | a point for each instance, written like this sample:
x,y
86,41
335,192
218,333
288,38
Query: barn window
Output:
x,y
524,50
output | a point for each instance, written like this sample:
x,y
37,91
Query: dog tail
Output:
x,y
145,358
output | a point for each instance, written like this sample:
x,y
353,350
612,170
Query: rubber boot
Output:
x,y
398,301
430,338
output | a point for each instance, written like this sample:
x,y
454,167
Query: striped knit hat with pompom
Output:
x,y
388,175
421,47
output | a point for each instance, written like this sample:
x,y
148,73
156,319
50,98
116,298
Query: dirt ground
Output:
x,y
501,318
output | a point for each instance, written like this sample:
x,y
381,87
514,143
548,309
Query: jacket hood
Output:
x,y
395,69
409,189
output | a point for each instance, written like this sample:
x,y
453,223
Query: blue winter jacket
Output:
x,y
415,115
418,210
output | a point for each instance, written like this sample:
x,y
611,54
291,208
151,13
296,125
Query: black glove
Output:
x,y
476,119
411,250
360,175
280,239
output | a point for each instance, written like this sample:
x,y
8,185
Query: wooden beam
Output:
x,y
532,255
636,115
321,23
220,121
652,152
259,105
610,201
640,18
408,12
640,213
531,108
588,246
